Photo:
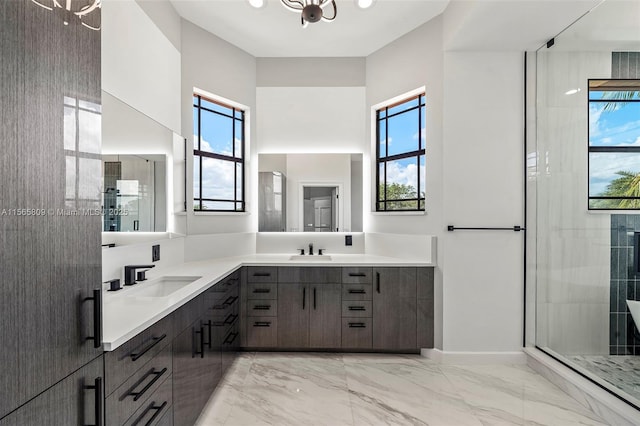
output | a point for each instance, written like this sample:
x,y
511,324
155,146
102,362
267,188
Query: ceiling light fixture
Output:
x,y
257,3
311,10
364,4
75,10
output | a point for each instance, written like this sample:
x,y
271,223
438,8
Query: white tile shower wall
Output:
x,y
404,246
572,244
114,259
211,246
290,242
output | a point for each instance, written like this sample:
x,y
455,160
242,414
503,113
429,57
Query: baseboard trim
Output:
x,y
474,358
613,410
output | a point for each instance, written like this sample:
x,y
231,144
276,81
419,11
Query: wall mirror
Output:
x,y
143,171
134,196
310,192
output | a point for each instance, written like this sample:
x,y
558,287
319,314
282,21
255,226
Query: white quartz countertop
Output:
x,y
125,315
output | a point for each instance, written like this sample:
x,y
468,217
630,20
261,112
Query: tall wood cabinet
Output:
x,y
50,250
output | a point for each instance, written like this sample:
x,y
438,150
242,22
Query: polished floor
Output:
x,y
361,389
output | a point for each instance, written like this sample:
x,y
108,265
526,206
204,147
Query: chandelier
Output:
x,y
312,10
75,10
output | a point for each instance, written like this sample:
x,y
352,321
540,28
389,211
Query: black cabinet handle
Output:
x,y
314,298
195,352
227,342
137,395
262,324
262,274
209,324
378,282
157,408
230,319
357,308
304,297
230,300
97,318
262,290
357,274
97,404
357,325
261,307
154,341
357,292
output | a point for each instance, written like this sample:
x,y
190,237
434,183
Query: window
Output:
x,y
218,156
400,156
614,144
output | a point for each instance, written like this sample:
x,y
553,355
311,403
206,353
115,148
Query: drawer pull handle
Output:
x,y
227,342
154,341
262,290
137,395
357,308
261,307
357,292
378,282
230,319
357,274
157,408
98,398
97,318
262,274
230,300
357,325
262,324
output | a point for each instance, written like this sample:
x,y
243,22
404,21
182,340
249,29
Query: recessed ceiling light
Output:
x,y
572,91
363,4
257,3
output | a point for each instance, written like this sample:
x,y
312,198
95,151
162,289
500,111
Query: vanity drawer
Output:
x,y
262,274
137,389
356,308
262,291
352,275
356,291
262,332
223,308
157,409
309,274
356,333
123,362
263,308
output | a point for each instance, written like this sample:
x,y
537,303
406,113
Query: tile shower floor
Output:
x,y
622,371
362,389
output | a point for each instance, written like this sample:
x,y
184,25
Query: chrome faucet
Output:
x,y
130,273
310,249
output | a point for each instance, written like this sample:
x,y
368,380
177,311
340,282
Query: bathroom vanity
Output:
x,y
166,354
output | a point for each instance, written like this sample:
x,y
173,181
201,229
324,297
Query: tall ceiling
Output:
x,y
274,31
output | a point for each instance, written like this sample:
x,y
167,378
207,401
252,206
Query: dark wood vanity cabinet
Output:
x,y
50,261
394,308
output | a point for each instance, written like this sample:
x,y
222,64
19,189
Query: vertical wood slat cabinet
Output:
x,y
394,308
76,400
50,164
309,311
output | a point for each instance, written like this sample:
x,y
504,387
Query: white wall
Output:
x,y
215,66
139,64
483,187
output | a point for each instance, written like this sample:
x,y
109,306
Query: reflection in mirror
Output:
x,y
134,193
310,192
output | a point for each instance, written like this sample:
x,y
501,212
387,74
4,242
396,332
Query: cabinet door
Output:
x,y
293,315
75,401
394,308
325,317
50,261
188,359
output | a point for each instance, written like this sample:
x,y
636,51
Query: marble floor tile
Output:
x,y
379,389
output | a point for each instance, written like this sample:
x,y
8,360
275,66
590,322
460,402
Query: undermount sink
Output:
x,y
161,287
311,258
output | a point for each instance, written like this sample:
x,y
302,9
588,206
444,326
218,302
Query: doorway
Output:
x,y
320,208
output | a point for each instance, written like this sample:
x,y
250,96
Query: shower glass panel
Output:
x,y
584,259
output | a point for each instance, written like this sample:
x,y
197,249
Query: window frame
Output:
x,y
199,154
607,149
419,94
